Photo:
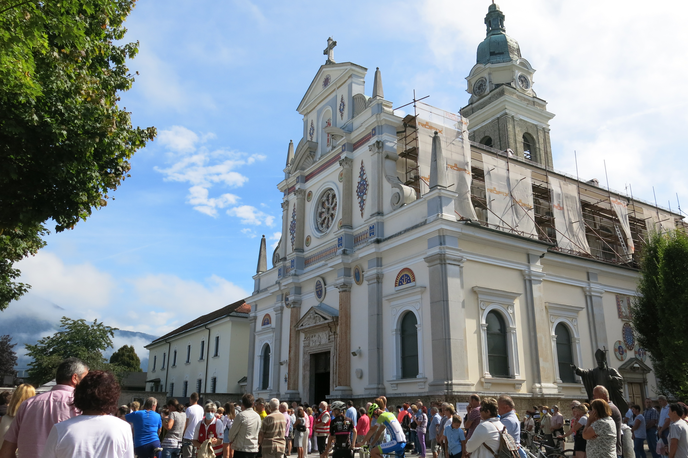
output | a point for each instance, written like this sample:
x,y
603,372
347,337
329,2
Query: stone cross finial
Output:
x,y
329,51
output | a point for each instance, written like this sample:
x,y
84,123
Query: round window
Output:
x,y
326,211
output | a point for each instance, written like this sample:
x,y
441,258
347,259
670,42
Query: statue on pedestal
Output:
x,y
606,376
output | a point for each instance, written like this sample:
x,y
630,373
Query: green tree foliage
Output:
x,y
661,310
65,144
76,338
127,359
8,357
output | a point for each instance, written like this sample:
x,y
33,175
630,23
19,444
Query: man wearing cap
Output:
x,y
341,431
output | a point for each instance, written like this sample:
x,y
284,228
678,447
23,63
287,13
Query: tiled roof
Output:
x,y
237,307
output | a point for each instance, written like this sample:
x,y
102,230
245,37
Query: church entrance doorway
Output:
x,y
635,394
320,377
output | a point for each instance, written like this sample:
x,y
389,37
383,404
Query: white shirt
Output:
x,y
194,414
90,436
663,416
487,432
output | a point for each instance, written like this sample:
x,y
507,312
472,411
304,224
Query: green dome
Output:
x,y
497,47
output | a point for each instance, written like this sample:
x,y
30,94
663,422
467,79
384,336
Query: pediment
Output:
x,y
319,315
305,155
630,366
320,88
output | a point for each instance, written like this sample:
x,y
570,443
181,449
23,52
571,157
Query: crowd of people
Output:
x,y
80,417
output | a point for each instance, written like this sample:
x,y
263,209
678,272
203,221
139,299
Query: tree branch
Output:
x,y
15,6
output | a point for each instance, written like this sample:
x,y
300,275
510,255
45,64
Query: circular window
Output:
x,y
326,211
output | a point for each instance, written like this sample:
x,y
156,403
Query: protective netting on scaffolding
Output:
x,y
452,130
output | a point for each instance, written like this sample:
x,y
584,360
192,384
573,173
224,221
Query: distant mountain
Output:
x,y
42,318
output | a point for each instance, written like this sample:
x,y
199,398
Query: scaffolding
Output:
x,y
606,240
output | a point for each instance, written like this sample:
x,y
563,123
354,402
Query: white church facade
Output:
x,y
438,254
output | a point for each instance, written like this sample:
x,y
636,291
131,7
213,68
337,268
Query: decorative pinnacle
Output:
x,y
262,257
438,166
377,85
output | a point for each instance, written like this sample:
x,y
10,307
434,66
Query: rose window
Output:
x,y
326,211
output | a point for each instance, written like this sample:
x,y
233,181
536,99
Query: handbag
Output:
x,y
300,426
205,450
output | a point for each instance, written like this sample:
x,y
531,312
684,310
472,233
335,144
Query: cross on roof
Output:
x,y
329,51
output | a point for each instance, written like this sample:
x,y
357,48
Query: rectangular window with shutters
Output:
x,y
163,360
188,354
155,360
213,384
202,349
174,359
185,391
199,383
217,345
171,389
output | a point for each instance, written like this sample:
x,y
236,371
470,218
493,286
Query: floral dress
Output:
x,y
604,445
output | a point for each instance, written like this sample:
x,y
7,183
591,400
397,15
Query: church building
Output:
x,y
439,254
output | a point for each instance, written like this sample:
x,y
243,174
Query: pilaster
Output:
x,y
595,309
544,375
300,219
285,230
342,385
374,277
277,355
251,348
294,305
347,192
449,350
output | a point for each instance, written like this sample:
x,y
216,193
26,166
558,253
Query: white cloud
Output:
x,y
179,139
198,197
251,215
204,169
275,238
612,85
78,286
249,232
172,301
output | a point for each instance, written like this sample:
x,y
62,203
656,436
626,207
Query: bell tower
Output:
x,y
504,111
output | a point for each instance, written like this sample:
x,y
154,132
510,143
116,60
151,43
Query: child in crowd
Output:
x,y
456,439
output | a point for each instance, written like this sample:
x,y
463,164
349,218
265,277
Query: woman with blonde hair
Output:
x,y
578,422
21,394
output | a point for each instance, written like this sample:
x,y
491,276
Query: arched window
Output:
x,y
529,147
409,346
265,367
487,141
564,353
497,350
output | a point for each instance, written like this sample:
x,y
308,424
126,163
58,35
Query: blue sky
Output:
x,y
221,81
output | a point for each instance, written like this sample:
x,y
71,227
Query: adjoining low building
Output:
x,y
208,355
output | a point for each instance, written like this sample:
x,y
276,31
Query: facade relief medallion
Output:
x,y
619,351
342,107
628,336
320,289
292,227
266,321
308,241
309,196
358,274
405,278
623,307
641,354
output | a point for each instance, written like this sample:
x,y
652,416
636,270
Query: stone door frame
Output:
x,y
318,329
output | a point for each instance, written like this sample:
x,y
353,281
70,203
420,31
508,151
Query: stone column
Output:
x,y
251,351
300,219
447,315
593,303
373,277
544,376
347,192
343,382
294,353
277,348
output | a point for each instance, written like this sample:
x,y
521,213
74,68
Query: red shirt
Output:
x,y
204,432
363,426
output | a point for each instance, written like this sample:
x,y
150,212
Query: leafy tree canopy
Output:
x,y
661,310
76,338
8,357
65,144
127,359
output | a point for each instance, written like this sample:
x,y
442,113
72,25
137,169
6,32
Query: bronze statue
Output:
x,y
606,376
